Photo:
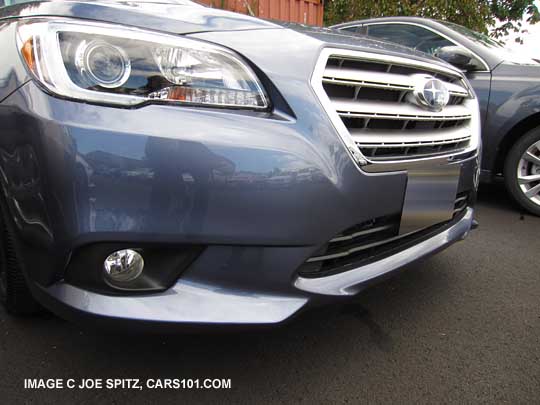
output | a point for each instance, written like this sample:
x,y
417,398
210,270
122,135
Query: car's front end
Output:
x,y
234,175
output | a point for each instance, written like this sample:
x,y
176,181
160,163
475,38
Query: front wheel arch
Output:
x,y
16,297
515,164
512,137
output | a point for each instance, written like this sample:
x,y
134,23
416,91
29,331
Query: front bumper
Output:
x,y
196,303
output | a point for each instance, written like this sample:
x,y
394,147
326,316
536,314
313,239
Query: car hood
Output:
x,y
332,37
168,16
517,70
185,17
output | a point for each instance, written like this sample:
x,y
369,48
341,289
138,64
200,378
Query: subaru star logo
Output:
x,y
431,93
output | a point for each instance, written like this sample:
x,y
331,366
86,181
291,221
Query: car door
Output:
x,y
429,41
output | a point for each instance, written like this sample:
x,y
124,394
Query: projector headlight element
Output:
x,y
108,64
102,64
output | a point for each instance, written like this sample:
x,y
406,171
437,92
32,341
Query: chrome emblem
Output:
x,y
431,93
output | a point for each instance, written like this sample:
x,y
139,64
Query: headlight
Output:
x,y
104,63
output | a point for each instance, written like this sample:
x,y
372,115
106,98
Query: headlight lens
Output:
x,y
125,66
101,64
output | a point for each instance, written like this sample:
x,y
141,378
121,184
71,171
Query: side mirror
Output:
x,y
457,56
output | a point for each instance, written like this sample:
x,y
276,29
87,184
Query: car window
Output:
x,y
349,29
492,45
477,37
356,29
412,36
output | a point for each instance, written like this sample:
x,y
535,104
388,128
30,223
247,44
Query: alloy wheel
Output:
x,y
528,173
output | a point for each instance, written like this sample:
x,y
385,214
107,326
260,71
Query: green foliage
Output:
x,y
478,15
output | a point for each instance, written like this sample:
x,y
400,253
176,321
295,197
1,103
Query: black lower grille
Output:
x,y
462,202
370,241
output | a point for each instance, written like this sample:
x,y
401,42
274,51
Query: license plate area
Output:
x,y
430,197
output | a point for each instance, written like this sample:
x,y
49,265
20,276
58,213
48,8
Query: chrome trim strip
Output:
x,y
361,233
349,252
381,109
404,165
363,83
426,137
368,78
350,282
383,159
404,117
400,145
317,86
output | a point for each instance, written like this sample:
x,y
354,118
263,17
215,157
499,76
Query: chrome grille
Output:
x,y
372,99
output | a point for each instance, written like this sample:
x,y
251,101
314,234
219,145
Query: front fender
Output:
x,y
13,73
514,98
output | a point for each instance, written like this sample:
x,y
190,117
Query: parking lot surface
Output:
x,y
460,327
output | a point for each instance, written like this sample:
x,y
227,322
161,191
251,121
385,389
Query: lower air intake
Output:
x,y
371,241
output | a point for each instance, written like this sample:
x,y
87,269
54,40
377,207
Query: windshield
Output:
x,y
493,45
478,37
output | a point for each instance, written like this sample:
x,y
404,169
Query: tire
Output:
x,y
523,160
14,292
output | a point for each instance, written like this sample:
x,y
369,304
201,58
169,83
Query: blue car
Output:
x,y
164,163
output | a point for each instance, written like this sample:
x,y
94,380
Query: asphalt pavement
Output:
x,y
460,327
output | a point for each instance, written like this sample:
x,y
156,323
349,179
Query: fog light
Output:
x,y
123,266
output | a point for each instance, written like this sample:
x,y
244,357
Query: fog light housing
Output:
x,y
123,266
123,269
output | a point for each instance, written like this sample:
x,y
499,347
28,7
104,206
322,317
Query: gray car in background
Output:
x,y
508,89
165,163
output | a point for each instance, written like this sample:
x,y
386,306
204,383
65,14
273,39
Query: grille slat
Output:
x,y
351,251
397,110
462,202
412,144
363,78
401,117
394,144
405,136
375,102
360,233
